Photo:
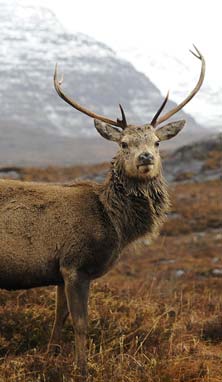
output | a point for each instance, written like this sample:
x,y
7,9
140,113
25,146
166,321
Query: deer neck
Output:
x,y
135,208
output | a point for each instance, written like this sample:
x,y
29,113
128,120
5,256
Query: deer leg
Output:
x,y
77,291
61,314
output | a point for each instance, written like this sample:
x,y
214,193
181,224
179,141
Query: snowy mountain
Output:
x,y
182,73
32,41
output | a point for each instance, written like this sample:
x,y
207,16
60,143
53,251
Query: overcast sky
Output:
x,y
141,28
147,25
122,23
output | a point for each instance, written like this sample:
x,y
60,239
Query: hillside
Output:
x,y
199,161
35,124
157,61
156,317
33,40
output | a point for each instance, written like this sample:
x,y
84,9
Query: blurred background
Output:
x,y
109,53
156,317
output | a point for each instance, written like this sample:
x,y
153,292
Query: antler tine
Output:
x,y
154,120
82,109
193,92
198,54
122,121
55,76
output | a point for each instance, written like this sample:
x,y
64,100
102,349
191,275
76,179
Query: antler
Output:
x,y
155,120
122,123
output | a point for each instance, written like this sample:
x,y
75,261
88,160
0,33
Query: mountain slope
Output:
x,y
182,73
32,42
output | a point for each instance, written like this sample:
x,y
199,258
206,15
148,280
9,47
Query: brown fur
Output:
x,y
68,235
44,227
98,221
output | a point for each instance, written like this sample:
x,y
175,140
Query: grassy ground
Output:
x,y
157,316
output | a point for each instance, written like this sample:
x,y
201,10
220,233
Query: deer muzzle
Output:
x,y
145,159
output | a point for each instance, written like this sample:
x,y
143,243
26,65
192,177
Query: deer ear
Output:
x,y
170,130
107,131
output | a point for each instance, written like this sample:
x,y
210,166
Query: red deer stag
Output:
x,y
69,235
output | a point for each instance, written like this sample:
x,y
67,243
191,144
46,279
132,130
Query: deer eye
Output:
x,y
124,145
157,143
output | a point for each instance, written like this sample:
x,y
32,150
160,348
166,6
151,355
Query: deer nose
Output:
x,y
146,158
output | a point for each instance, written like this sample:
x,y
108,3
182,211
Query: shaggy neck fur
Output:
x,y
135,207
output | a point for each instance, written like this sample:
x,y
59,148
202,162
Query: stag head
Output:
x,y
138,145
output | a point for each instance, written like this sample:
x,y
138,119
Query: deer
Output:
x,y
67,235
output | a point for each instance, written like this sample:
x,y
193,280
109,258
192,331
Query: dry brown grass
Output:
x,y
61,174
157,316
213,161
